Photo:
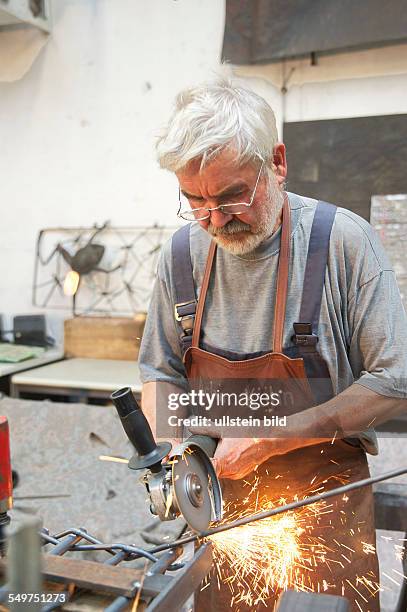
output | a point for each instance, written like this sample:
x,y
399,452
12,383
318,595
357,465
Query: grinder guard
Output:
x,y
202,448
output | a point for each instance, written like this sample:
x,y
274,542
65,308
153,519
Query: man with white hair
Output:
x,y
270,285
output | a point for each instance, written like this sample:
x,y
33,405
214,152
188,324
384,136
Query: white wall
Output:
x,y
351,84
77,132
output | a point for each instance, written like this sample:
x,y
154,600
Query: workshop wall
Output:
x,y
372,150
77,131
358,83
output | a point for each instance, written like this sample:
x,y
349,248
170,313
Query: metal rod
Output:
x,y
280,509
79,532
65,545
134,550
165,561
117,558
47,538
120,603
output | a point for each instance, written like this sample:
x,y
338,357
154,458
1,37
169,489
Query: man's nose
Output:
x,y
219,219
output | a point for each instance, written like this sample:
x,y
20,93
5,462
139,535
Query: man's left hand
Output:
x,y
236,457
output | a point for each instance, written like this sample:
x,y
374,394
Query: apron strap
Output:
x,y
282,283
184,289
282,278
188,312
305,331
202,294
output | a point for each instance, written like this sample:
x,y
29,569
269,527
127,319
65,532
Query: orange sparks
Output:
x,y
267,556
369,549
260,559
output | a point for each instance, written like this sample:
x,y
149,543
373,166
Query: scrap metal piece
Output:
x,y
185,583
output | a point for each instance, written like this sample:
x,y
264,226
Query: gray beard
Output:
x,y
253,237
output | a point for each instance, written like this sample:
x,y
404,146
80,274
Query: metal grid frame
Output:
x,y
155,585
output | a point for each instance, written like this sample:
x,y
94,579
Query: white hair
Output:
x,y
213,116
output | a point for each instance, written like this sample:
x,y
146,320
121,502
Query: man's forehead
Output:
x,y
220,173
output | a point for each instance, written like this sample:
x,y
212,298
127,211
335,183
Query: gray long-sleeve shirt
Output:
x,y
362,328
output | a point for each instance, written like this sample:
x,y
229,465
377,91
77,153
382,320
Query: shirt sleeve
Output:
x,y
160,356
378,322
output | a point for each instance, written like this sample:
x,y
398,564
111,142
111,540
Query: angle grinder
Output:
x,y
186,484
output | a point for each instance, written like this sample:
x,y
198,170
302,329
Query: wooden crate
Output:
x,y
104,337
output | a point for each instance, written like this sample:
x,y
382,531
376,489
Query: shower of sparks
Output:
x,y
259,560
262,558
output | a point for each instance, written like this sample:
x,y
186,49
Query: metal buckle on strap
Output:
x,y
179,317
303,335
305,340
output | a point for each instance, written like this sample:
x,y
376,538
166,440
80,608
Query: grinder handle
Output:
x,y
138,429
207,443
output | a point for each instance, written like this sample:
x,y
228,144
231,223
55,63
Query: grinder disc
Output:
x,y
191,489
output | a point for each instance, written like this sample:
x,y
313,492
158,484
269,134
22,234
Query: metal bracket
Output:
x,y
182,586
33,12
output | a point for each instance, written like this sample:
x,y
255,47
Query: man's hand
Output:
x,y
236,457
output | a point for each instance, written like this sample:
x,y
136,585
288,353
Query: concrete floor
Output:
x,y
56,449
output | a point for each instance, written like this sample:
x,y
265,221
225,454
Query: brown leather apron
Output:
x,y
348,531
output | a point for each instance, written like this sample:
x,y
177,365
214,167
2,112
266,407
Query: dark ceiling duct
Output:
x,y
263,31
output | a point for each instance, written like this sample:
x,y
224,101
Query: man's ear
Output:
x,y
280,162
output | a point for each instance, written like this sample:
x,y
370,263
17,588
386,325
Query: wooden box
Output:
x,y
104,337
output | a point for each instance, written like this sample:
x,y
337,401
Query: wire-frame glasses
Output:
x,y
200,214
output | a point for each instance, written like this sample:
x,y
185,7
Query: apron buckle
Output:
x,y
184,313
303,335
184,309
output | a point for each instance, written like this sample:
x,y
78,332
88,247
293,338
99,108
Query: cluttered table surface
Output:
x,y
14,358
92,377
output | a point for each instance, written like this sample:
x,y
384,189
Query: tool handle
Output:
x,y
149,454
207,443
134,422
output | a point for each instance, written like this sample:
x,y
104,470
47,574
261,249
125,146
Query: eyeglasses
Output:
x,y
199,214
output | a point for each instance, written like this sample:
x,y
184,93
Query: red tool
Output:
x,y
6,481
